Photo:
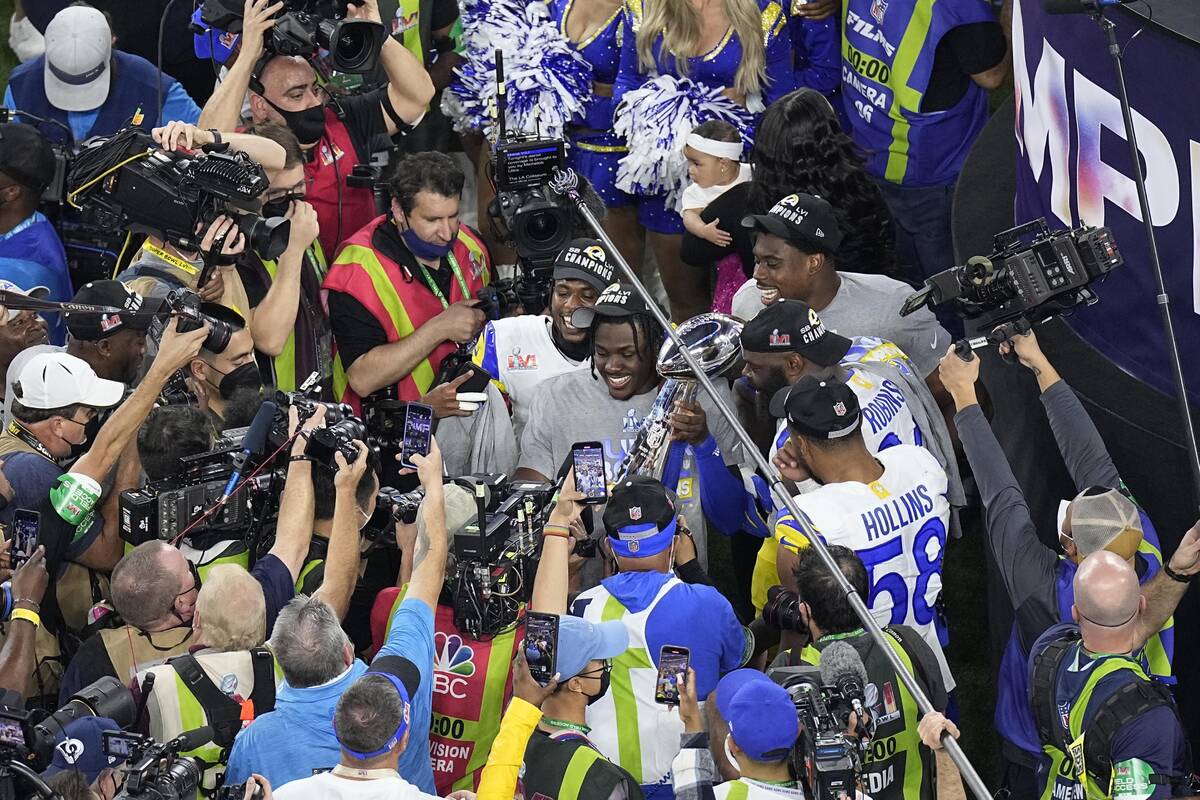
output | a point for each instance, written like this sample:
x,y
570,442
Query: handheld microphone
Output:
x,y
842,667
1079,6
253,444
190,740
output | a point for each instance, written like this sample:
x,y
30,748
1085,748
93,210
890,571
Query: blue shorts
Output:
x,y
654,216
595,157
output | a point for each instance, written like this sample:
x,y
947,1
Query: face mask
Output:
x,y
308,125
280,206
729,755
423,249
604,681
246,376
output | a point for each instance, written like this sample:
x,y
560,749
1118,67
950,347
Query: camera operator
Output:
x,y
81,769
90,88
1085,675
897,495
28,164
522,352
1039,581
608,402
285,90
217,378
897,766
154,590
19,330
23,595
401,294
113,345
291,330
318,666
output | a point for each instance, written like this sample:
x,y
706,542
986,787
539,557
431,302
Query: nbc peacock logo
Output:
x,y
454,656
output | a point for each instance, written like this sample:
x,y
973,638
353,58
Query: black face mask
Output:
x,y
246,376
604,681
308,125
280,206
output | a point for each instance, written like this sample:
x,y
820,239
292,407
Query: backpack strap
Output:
x,y
224,713
1041,689
263,695
1124,705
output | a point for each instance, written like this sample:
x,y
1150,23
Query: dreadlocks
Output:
x,y
648,335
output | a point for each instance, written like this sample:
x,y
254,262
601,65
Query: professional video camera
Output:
x,y
127,182
1024,283
305,27
156,770
825,758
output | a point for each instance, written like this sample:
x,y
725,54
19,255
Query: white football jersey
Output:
x,y
897,525
519,353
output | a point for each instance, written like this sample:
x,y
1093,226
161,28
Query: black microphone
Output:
x,y
842,667
1079,6
190,740
253,444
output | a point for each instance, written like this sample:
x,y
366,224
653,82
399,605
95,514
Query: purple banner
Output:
x,y
1073,165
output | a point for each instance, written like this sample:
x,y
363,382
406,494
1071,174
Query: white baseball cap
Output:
x,y
78,53
54,380
36,292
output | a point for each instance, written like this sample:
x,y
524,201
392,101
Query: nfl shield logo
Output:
x,y
635,513
633,546
878,9
840,409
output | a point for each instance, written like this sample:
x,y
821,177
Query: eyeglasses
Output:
x,y
195,582
599,671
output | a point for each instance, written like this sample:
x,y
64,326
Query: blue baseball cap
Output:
x,y
81,746
640,518
212,43
580,642
760,713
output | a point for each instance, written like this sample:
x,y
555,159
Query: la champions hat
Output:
x,y
805,220
792,326
81,746
78,59
618,300
585,260
92,327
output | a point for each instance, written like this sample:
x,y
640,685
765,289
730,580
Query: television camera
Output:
x,y
1021,284
154,770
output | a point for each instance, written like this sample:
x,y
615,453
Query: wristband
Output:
x,y
8,599
562,531
1175,576
36,606
28,616
216,134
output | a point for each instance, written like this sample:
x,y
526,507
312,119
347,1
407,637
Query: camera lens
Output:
x,y
782,610
268,237
354,44
219,333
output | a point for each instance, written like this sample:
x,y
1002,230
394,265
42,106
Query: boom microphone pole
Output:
x,y
566,183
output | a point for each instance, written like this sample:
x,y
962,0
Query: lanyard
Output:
x,y
21,432
437,290
342,771
170,258
562,724
833,637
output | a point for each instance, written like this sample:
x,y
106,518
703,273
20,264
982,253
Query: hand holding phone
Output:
x,y
541,646
591,478
25,528
418,431
673,661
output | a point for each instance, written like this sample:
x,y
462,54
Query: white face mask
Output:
x,y
730,756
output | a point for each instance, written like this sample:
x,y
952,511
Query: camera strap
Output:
x,y
437,290
172,259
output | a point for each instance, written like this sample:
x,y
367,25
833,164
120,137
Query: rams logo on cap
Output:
x,y
813,319
595,251
792,200
789,208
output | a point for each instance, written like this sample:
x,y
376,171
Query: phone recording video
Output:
x,y
541,645
12,732
591,480
672,662
25,527
418,431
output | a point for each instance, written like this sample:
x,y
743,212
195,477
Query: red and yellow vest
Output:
x,y
401,304
341,210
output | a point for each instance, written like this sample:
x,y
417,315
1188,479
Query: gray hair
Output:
x,y
309,642
143,591
368,713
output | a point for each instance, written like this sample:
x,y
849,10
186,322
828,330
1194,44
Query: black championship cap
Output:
x,y
792,326
94,327
585,260
804,220
818,409
618,300
639,517
26,156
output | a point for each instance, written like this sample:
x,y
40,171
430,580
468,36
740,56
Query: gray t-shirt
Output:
x,y
869,305
576,407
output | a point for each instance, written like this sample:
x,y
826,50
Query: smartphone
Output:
x,y
25,527
590,478
418,430
672,662
541,645
12,732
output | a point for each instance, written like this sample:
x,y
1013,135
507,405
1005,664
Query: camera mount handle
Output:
x,y
566,183
1109,28
17,769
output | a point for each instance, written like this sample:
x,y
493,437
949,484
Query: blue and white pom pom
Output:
x,y
655,121
547,81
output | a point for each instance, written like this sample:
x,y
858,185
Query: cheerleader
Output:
x,y
689,61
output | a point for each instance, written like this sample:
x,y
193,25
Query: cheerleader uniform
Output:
x,y
595,149
716,68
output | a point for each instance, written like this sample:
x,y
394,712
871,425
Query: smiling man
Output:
x,y
795,258
522,352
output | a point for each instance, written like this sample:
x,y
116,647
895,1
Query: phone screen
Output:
x,y
25,528
590,477
541,645
12,733
672,662
418,430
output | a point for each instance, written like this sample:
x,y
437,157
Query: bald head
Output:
x,y
1107,592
